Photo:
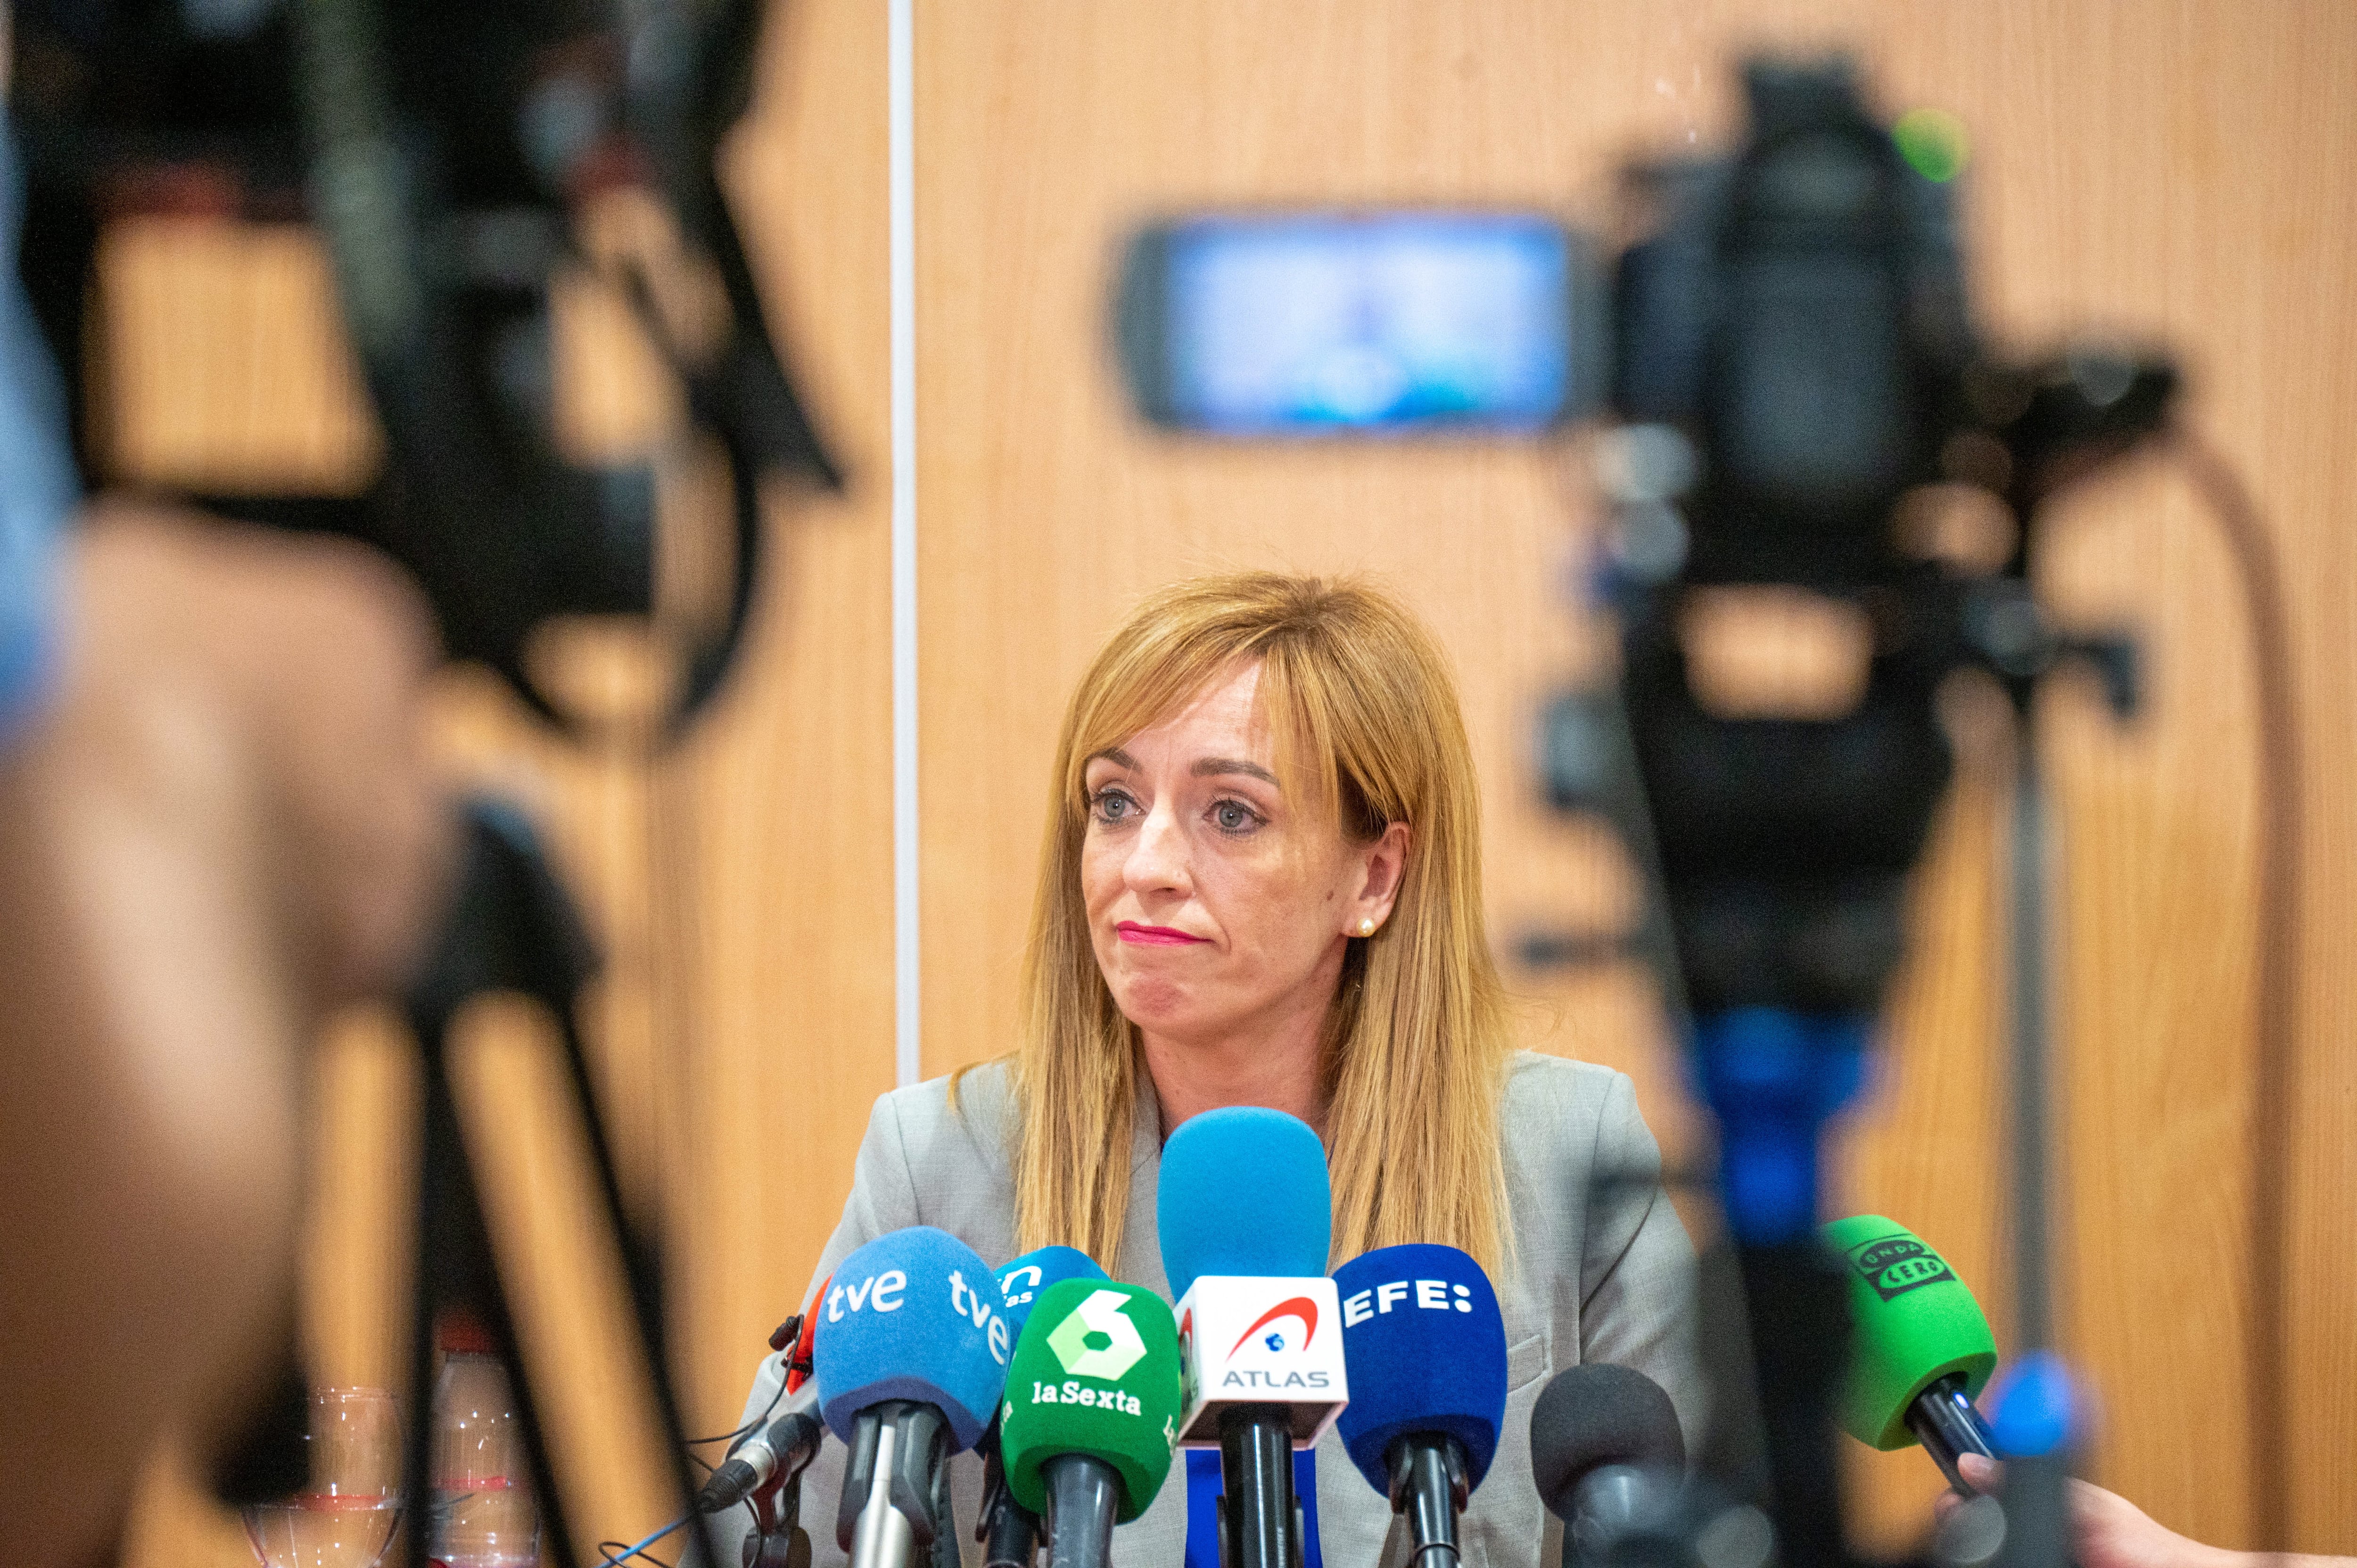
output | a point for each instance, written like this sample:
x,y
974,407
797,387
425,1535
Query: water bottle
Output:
x,y
484,1516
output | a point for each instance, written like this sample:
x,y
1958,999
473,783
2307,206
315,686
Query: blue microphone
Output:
x,y
1009,1531
910,1357
1427,1347
1244,1191
1022,1280
1246,1216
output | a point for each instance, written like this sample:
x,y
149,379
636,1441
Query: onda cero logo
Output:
x,y
1894,1265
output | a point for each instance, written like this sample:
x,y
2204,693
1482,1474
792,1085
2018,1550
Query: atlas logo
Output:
x,y
1431,1296
1097,1340
1894,1265
1300,1308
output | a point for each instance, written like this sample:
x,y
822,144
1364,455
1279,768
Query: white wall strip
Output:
x,y
908,1018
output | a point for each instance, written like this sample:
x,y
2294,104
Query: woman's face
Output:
x,y
1219,910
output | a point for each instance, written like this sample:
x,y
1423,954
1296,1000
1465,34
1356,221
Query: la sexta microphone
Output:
x,y
911,1356
1009,1532
1246,1218
777,1453
1090,1412
1609,1461
1425,1346
1921,1350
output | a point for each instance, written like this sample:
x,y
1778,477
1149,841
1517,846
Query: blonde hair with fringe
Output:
x,y
1363,719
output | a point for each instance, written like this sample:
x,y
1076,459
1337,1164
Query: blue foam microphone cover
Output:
x,y
1424,1346
1244,1190
1024,1280
915,1315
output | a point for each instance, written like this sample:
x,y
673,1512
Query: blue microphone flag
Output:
x,y
1024,1280
1244,1190
1424,1346
914,1315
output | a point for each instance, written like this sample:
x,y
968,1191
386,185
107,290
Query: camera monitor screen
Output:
x,y
1326,323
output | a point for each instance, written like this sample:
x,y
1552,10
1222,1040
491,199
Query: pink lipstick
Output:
x,y
1155,936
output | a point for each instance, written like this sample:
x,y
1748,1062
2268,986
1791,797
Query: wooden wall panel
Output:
x,y
2177,173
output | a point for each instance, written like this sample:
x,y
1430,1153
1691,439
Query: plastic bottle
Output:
x,y
484,1514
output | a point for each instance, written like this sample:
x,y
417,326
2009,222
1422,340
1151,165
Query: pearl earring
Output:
x,y
1367,927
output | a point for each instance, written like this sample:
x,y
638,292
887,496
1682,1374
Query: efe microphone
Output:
x,y
1920,1347
1426,1344
911,1355
1009,1531
1246,1218
1090,1412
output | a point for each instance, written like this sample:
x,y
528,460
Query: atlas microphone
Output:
x,y
1246,1218
1090,1412
1009,1531
777,1453
1426,1350
1920,1349
1609,1461
911,1356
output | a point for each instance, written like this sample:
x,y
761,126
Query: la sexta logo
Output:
x,y
1300,1308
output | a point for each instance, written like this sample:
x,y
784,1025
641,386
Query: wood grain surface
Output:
x,y
2175,174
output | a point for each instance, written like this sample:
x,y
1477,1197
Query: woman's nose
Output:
x,y
1157,862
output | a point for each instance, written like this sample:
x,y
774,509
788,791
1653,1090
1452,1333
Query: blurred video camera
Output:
x,y
1788,356
445,151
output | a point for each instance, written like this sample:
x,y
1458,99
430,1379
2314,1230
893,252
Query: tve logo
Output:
x,y
887,1291
1431,1296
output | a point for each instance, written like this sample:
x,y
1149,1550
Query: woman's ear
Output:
x,y
1385,860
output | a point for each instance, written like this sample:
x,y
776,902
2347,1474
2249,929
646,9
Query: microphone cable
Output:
x,y
2275,979
609,1556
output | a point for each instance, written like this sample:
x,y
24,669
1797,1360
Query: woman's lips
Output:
x,y
1155,936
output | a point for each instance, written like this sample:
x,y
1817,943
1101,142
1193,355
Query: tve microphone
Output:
x,y
1921,1350
1246,1218
911,1356
1090,1412
777,1452
1009,1532
1426,1344
1609,1461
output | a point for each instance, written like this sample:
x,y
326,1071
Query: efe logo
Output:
x,y
1431,1296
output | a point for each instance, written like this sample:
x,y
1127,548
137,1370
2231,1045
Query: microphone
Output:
x,y
1921,1350
778,1452
910,1359
1246,1218
1090,1412
798,1362
1009,1532
1425,1346
1609,1461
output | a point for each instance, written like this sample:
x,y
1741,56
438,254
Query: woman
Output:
x,y
1262,885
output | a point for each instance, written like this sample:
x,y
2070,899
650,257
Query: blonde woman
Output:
x,y
1262,885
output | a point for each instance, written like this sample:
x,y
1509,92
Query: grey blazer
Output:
x,y
1603,1273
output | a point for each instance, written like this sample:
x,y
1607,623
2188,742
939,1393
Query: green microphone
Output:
x,y
1090,1412
1921,1349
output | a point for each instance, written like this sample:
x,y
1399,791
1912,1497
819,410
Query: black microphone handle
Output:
x,y
1010,1533
1083,1501
1257,1519
1429,1489
1944,1421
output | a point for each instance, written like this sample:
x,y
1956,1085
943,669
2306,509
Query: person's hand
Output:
x,y
222,826
2107,1529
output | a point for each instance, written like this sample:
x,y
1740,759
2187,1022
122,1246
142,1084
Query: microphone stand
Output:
x,y
1259,1527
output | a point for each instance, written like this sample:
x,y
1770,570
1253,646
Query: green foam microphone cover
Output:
x,y
1095,1372
1913,1323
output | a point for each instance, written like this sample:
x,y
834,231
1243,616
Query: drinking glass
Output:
x,y
346,1518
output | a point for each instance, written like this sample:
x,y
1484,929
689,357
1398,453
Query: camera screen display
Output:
x,y
1327,323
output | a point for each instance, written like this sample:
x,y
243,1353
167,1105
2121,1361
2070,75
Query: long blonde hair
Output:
x,y
1416,1044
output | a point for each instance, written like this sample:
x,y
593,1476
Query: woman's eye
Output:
x,y
1113,806
1234,816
